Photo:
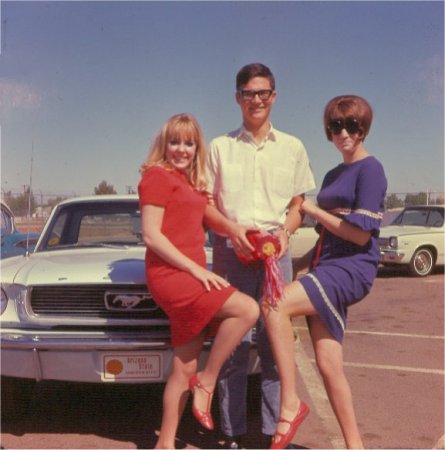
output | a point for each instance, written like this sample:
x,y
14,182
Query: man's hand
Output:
x,y
284,241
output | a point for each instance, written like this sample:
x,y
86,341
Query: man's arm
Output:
x,y
293,221
223,226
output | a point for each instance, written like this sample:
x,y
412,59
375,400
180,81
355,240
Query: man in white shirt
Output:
x,y
258,177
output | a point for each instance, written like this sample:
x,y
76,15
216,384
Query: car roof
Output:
x,y
101,198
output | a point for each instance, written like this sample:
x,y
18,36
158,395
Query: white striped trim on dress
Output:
x,y
325,298
365,212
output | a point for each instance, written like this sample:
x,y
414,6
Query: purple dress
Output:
x,y
343,272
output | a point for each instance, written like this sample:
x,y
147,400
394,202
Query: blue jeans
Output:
x,y
232,384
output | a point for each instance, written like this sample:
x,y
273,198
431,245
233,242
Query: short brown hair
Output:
x,y
348,106
250,71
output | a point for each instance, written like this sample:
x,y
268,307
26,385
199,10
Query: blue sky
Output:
x,y
84,86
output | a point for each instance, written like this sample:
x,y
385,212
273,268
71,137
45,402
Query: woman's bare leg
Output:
x,y
295,302
329,356
238,315
184,365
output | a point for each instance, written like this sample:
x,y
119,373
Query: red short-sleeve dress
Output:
x,y
189,306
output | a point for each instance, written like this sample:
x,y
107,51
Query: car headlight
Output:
x,y
12,298
3,301
393,242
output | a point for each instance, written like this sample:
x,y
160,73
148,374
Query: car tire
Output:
x,y
422,262
16,394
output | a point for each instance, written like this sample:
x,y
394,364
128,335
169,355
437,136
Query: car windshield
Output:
x,y
95,224
423,217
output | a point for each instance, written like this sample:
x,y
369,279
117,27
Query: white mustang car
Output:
x,y
78,309
415,239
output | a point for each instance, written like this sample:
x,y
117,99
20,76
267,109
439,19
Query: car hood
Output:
x,y
74,266
401,230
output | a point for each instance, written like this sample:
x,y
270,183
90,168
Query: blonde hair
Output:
x,y
180,126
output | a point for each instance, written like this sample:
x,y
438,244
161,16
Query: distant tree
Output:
x,y
104,188
54,201
6,195
392,201
21,204
416,199
436,198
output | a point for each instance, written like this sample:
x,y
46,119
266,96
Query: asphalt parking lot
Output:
x,y
394,358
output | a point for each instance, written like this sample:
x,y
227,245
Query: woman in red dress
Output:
x,y
173,208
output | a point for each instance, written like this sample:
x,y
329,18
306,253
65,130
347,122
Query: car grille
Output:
x,y
383,242
95,301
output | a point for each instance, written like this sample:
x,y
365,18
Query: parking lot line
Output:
x,y
433,280
403,335
383,333
396,368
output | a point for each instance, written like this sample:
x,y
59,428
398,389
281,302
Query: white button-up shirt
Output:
x,y
253,184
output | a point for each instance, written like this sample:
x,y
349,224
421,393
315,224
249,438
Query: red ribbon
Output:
x,y
266,248
318,249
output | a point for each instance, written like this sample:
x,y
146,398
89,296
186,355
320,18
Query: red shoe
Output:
x,y
203,417
282,440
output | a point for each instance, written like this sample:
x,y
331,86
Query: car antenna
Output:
x,y
29,198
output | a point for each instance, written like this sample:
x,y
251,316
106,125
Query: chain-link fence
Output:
x,y
32,209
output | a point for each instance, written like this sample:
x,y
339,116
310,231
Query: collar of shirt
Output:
x,y
246,134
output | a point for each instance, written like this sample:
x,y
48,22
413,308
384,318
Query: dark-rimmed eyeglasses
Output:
x,y
263,94
352,126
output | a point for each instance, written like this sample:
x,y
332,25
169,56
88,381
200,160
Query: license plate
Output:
x,y
132,366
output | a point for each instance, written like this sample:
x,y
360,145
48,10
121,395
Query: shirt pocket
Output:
x,y
283,182
232,180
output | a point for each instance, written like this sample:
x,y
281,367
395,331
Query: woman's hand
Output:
x,y
309,207
241,245
208,278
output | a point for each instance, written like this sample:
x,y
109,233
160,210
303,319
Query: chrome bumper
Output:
x,y
391,256
29,340
79,356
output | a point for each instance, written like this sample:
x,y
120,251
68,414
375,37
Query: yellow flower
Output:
x,y
268,249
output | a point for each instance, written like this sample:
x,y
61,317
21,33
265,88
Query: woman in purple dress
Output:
x,y
342,268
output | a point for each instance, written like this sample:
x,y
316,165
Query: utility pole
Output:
x,y
30,179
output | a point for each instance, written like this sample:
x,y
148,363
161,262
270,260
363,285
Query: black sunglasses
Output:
x,y
352,126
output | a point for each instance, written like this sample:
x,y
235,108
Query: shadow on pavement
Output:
x,y
120,414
